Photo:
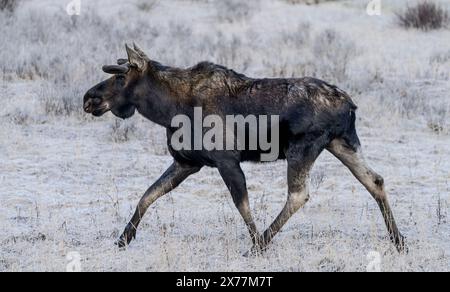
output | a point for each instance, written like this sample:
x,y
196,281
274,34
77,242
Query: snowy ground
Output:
x,y
69,183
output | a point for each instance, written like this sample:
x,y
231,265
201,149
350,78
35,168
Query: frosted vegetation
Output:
x,y
69,182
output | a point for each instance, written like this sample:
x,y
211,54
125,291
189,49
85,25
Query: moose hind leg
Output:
x,y
353,158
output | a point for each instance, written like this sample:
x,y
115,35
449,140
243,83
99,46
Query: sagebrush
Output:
x,y
425,16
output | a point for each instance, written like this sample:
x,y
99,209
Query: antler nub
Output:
x,y
116,69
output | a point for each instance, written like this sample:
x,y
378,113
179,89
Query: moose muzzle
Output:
x,y
92,104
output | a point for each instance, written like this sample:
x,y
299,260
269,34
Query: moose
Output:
x,y
313,116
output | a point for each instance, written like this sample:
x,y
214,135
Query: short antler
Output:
x,y
116,69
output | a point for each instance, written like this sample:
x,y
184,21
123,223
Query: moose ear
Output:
x,y
140,51
135,59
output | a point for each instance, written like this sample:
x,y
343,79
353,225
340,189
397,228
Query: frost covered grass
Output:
x,y
235,10
69,182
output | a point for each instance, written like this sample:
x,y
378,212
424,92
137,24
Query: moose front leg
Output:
x,y
234,178
172,178
300,157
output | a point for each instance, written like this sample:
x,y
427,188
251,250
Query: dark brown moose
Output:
x,y
313,116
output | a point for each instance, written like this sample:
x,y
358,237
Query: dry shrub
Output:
x,y
8,5
235,10
425,16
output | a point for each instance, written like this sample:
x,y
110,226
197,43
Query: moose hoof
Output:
x,y
128,235
401,245
254,252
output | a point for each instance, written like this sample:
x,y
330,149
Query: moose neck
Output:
x,y
162,94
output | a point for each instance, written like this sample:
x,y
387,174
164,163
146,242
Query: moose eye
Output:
x,y
120,77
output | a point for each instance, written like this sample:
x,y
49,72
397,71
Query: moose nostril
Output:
x,y
87,105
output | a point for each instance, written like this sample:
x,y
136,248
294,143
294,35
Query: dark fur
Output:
x,y
312,114
307,107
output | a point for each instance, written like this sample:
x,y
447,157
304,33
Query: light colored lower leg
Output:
x,y
372,181
296,200
244,210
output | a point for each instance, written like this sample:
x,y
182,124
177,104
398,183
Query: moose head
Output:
x,y
116,93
